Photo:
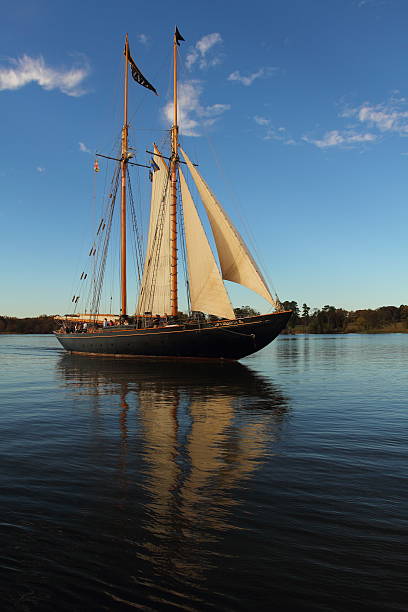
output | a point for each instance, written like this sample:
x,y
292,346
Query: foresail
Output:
x,y
155,290
207,291
237,264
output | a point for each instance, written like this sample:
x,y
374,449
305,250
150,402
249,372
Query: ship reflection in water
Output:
x,y
187,438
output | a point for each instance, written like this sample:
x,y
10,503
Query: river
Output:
x,y
277,483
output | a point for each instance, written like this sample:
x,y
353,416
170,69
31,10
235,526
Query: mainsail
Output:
x,y
207,291
237,264
155,289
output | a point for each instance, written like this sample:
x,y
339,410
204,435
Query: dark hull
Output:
x,y
223,340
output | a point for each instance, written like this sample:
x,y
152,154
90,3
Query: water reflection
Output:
x,y
302,352
189,435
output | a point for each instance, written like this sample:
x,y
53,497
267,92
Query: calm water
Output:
x,y
275,484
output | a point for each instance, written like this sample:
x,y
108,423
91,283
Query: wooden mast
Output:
x,y
173,193
123,164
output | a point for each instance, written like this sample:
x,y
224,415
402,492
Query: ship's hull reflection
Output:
x,y
200,431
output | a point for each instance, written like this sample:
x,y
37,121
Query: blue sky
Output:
x,y
297,111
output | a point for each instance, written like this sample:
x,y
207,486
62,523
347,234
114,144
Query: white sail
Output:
x,y
237,264
155,290
207,291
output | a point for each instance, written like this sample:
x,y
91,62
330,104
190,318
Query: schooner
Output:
x,y
154,329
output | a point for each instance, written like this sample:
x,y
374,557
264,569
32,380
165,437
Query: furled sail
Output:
x,y
155,290
237,264
207,291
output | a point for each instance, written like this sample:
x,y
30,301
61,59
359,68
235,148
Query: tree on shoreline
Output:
x,y
332,320
44,324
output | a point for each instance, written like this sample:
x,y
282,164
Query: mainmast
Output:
x,y
123,164
173,182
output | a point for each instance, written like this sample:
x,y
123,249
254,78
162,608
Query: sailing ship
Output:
x,y
156,329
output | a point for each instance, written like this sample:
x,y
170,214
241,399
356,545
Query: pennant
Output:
x,y
154,166
96,166
138,76
178,36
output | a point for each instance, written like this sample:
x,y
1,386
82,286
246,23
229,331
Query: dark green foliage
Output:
x,y
294,320
305,311
332,320
31,325
245,311
328,320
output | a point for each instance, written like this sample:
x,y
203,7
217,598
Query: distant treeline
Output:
x,y
30,325
332,320
327,320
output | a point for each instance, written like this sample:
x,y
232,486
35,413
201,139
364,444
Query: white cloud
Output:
x,y
273,133
248,80
143,39
28,69
390,117
191,58
200,50
335,138
84,148
206,42
40,169
261,120
279,134
386,117
192,115
362,3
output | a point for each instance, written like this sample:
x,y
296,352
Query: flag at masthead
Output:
x,y
178,36
137,75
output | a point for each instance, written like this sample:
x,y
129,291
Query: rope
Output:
x,y
238,333
249,336
137,243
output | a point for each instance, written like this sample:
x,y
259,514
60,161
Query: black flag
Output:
x,y
138,76
178,37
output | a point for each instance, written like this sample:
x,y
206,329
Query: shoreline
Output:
x,y
283,333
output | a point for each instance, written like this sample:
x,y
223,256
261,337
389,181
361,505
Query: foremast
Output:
x,y
173,182
123,163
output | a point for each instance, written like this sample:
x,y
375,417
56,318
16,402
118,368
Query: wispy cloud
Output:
x,y
28,69
199,52
273,133
249,79
335,138
40,169
375,3
280,134
192,114
143,39
367,122
389,116
84,148
261,120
